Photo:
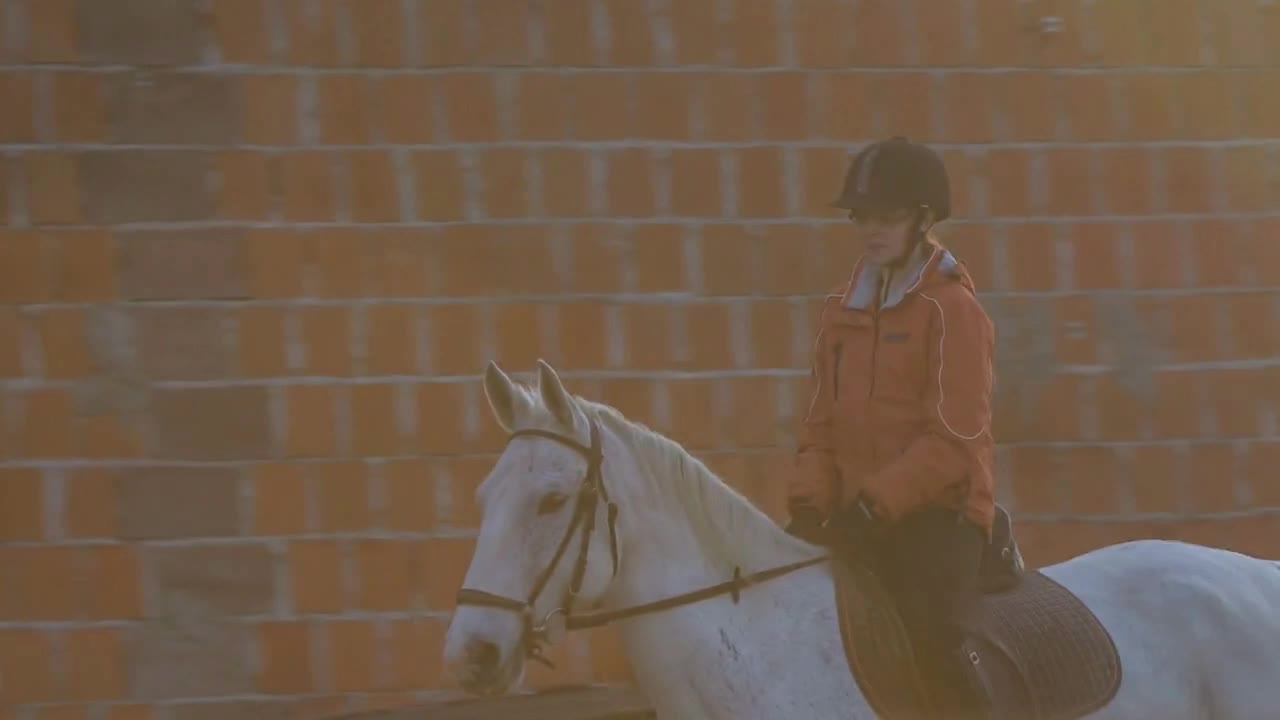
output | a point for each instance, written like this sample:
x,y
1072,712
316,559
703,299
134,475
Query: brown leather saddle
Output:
x,y
1041,652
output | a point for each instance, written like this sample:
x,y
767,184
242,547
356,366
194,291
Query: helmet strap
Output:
x,y
913,240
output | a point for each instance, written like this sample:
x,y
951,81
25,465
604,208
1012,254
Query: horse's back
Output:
x,y
1197,628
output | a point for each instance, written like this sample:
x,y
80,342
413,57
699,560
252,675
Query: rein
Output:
x,y
590,493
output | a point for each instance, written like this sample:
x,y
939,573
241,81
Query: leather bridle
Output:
x,y
590,493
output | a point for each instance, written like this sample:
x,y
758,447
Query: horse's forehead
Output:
x,y
527,458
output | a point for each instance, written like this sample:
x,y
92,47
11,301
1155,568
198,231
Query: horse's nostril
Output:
x,y
483,654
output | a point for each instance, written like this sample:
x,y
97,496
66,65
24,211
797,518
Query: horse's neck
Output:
x,y
777,640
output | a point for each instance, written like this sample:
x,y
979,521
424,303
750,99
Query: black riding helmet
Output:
x,y
897,174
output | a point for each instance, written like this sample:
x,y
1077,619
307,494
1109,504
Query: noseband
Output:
x,y
590,493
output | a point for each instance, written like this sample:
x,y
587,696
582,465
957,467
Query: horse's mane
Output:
x,y
737,531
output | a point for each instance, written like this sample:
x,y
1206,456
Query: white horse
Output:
x,y
585,508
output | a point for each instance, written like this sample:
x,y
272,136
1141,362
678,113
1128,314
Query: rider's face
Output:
x,y
883,234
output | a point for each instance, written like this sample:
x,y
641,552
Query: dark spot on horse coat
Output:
x,y
728,645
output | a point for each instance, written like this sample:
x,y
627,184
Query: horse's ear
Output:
x,y
503,396
554,396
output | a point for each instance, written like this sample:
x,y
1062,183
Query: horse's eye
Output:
x,y
551,502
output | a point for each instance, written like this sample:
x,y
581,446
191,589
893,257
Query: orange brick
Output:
x,y
1239,397
584,335
315,569
631,184
518,333
441,407
11,342
1176,410
312,32
64,343
21,504
695,182
270,109
453,338
729,99
25,269
276,261
374,430
1150,98
1158,261
1153,478
601,106
96,657
377,26
545,109
245,192
307,178
313,423
1121,409
52,188
647,329
909,100
745,425
396,259
567,190
569,33
597,255
47,423
1032,257
374,186
1092,477
1260,470
326,333
286,652
337,256
1189,179
115,574
728,258
84,265
410,495
773,336
18,122
91,502
41,584
760,182
880,35
1067,193
262,341
241,32
658,258
27,663
392,339
52,35
470,106
1009,181
441,188
416,660
406,109
1129,181
667,99
1093,113
388,572
695,421
353,655
709,337
632,396
1212,467
506,181
445,562
107,436
280,499
343,492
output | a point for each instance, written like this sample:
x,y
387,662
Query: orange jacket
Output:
x,y
901,402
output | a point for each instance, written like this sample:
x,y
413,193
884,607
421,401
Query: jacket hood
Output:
x,y
932,265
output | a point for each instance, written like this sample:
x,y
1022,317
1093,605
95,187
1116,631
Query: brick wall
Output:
x,y
254,255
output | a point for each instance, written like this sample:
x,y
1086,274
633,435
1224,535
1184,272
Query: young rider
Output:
x,y
895,451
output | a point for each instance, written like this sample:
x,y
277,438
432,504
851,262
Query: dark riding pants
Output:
x,y
930,562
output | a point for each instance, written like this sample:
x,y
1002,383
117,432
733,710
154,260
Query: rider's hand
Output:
x,y
806,524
